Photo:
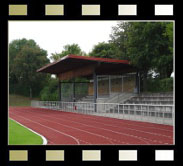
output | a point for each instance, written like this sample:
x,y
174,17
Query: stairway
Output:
x,y
112,98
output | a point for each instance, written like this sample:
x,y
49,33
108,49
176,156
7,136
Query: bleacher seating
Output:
x,y
152,99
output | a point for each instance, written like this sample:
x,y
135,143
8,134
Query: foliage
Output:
x,y
105,50
160,85
166,84
119,37
147,45
50,92
25,57
68,49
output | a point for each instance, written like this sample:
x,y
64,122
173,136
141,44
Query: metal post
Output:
x,y
141,113
109,85
118,110
74,93
137,83
122,84
164,111
59,90
95,89
97,85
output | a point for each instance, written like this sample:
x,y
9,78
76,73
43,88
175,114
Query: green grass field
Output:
x,y
19,135
17,100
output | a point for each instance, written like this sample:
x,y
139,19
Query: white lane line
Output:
x,y
108,118
152,133
120,133
94,119
116,132
50,128
136,137
107,138
43,138
122,122
147,139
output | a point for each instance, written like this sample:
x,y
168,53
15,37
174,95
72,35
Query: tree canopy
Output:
x,y
105,50
25,57
148,45
68,49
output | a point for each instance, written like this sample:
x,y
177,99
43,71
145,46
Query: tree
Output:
x,y
50,91
119,37
68,49
148,46
105,50
14,48
25,57
164,63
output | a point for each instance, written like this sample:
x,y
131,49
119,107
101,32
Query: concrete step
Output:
x,y
157,108
150,102
151,98
168,94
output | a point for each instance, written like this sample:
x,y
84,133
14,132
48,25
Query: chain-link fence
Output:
x,y
73,91
115,84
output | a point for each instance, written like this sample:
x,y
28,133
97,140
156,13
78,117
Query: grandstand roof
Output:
x,y
71,66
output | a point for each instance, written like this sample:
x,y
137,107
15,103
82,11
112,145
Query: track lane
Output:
x,y
100,126
66,130
112,136
134,136
57,114
49,132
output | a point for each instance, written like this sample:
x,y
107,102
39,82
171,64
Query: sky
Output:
x,y
53,35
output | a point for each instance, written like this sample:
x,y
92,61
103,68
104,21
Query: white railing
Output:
x,y
163,114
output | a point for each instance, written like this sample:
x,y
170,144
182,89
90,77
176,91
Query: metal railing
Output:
x,y
162,114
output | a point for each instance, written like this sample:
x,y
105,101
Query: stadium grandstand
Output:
x,y
111,89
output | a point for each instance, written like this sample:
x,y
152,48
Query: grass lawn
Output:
x,y
17,100
19,135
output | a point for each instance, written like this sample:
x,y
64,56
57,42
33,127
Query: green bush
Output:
x,y
166,84
19,90
50,92
160,85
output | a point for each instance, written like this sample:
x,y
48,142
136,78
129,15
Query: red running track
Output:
x,y
63,128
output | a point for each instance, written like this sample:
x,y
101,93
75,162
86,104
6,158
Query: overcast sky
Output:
x,y
53,35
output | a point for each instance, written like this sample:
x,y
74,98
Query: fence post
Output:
x,y
141,113
118,110
123,113
164,115
148,117
173,115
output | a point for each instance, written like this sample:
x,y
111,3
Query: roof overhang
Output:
x,y
72,66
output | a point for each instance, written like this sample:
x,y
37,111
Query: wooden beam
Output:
x,y
82,71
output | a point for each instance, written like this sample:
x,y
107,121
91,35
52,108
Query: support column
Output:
x,y
74,93
122,83
95,89
109,85
137,88
139,82
59,91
